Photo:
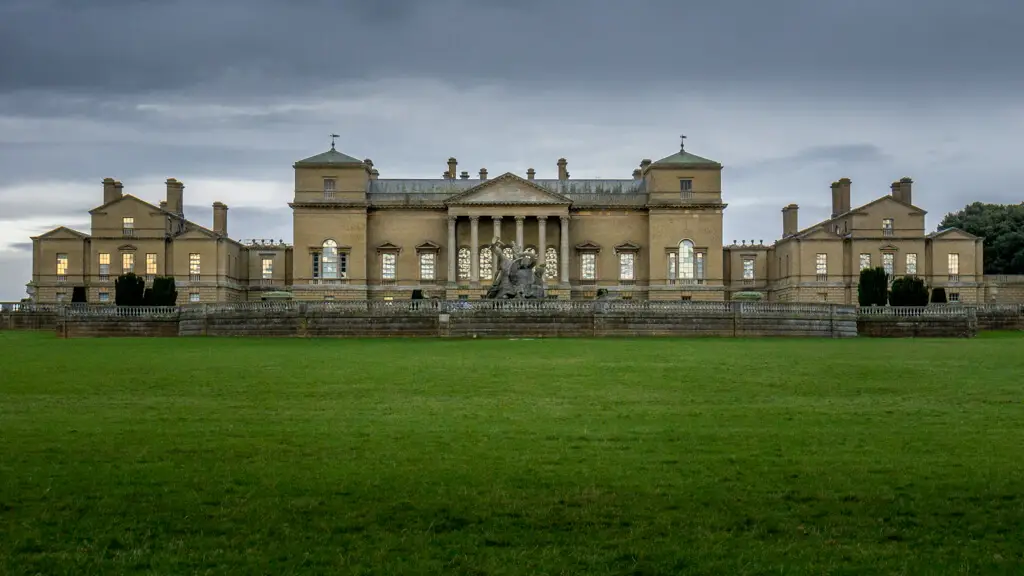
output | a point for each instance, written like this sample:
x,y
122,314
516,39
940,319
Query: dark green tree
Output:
x,y
129,290
873,289
908,291
163,292
1002,227
939,296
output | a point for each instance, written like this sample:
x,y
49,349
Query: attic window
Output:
x,y
887,226
328,187
686,188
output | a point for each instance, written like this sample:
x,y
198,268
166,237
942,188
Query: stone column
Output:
x,y
497,226
519,231
474,248
542,239
453,252
564,256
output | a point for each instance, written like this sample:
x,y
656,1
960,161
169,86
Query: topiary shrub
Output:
x,y
908,291
129,290
873,289
939,296
163,293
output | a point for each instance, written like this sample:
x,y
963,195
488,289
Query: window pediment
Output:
x,y
388,247
588,246
627,247
126,248
428,246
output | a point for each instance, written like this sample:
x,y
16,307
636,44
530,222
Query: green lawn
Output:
x,y
289,456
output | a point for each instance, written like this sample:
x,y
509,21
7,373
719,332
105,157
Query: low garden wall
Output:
x,y
468,319
913,321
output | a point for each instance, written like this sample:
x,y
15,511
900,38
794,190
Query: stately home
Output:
x,y
655,235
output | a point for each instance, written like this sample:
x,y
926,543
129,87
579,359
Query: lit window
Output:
x,y
686,261
672,266
888,259
748,268
954,267
104,296
486,264
887,226
821,267
627,263
128,222
551,264
388,263
268,268
127,262
588,266
62,264
104,265
911,264
193,296
465,263
428,265
698,261
151,264
865,261
194,264
329,259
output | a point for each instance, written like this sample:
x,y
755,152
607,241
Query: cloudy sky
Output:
x,y
789,95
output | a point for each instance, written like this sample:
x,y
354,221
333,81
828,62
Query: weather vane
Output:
x,y
333,136
682,142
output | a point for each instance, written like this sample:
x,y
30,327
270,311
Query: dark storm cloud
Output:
x,y
235,45
21,246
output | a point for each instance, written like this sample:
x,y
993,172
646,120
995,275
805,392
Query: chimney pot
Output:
x,y
373,174
563,172
790,221
531,174
483,173
452,166
464,175
637,174
368,162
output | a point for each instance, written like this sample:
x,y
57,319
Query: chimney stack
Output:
x,y
843,196
452,165
110,190
906,190
789,220
483,173
464,175
374,173
644,164
175,194
220,218
897,194
563,172
163,204
531,174
637,174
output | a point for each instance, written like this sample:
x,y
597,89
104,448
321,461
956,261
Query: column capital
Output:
x,y
520,218
496,218
474,218
563,218
452,218
542,218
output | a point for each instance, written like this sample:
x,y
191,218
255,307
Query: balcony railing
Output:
x,y
822,277
954,278
887,231
128,232
194,277
62,278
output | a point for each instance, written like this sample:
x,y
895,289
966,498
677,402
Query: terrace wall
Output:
x,y
470,319
18,316
917,322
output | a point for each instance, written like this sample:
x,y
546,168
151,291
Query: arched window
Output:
x,y
486,264
551,264
329,259
686,261
464,263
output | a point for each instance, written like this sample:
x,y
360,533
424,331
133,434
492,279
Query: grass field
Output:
x,y
286,456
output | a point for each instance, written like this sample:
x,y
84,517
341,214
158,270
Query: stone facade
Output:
x,y
356,236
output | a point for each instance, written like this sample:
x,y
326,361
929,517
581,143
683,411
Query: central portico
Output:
x,y
541,223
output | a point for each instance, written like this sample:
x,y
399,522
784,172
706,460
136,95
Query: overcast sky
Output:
x,y
789,95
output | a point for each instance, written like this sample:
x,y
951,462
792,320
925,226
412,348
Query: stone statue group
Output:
x,y
519,276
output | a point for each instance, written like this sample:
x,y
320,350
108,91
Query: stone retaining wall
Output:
x,y
918,322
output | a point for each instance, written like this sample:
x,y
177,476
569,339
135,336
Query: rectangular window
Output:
x,y
588,266
128,222
104,259
193,297
686,188
627,263
316,265
888,261
954,296
865,261
194,264
150,264
954,267
748,268
698,261
887,227
821,267
672,266
329,186
342,264
911,264
428,265
104,296
268,268
62,264
127,262
388,263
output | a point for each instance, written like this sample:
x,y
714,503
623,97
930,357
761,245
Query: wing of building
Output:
x,y
655,235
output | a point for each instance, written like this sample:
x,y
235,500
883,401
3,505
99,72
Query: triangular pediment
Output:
x,y
627,247
62,233
589,246
819,233
508,189
428,246
888,248
882,200
388,247
127,198
196,233
953,234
